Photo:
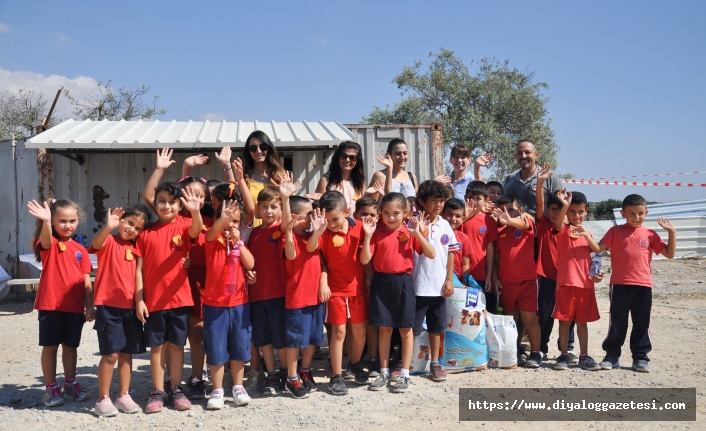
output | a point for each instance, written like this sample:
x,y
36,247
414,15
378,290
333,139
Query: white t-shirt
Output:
x,y
428,275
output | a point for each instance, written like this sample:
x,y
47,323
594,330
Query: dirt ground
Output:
x,y
678,319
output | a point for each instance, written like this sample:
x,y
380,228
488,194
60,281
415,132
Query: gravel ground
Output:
x,y
679,315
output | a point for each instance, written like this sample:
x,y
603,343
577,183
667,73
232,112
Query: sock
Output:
x,y
373,360
217,391
385,371
304,370
435,362
583,355
405,372
195,380
292,379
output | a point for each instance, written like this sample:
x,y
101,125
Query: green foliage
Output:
x,y
604,209
489,110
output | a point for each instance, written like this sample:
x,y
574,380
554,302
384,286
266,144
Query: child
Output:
x,y
120,333
162,293
482,231
366,207
392,302
454,213
268,291
495,190
64,296
303,314
631,247
429,290
547,266
226,312
339,238
575,291
515,276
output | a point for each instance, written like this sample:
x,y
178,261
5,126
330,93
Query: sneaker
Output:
x,y
544,356
587,363
534,360
609,363
198,389
521,356
308,380
402,384
374,368
126,405
105,408
641,366
562,362
178,399
437,374
271,384
215,401
349,373
297,389
156,401
573,359
361,376
380,383
254,380
73,389
53,396
282,374
395,374
240,396
337,385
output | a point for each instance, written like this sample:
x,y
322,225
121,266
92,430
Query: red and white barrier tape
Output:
x,y
643,176
634,183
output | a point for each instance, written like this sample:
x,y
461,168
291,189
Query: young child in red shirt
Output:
x,y
631,246
267,294
120,333
575,290
64,296
162,292
515,276
339,239
226,310
482,231
454,212
392,302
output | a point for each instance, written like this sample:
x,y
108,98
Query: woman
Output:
x,y
395,178
345,174
260,165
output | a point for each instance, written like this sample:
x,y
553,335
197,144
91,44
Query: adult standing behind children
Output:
x,y
523,182
260,164
346,174
460,178
394,176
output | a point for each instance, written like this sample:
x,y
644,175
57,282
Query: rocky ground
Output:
x,y
678,322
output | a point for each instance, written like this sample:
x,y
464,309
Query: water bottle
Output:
x,y
82,239
232,268
595,265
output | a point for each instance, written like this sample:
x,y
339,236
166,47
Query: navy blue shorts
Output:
x,y
60,327
434,309
392,301
267,318
118,330
226,333
167,325
304,326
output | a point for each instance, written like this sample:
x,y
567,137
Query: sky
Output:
x,y
626,97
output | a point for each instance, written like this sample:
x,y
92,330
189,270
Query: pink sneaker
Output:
x,y
156,402
105,408
126,405
397,372
73,389
179,400
437,374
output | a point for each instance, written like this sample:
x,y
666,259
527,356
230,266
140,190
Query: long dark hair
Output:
x,y
335,178
54,204
275,170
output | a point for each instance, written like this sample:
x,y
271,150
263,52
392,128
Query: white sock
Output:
x,y
404,372
385,371
215,391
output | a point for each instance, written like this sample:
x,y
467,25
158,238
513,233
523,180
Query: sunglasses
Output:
x,y
263,147
351,157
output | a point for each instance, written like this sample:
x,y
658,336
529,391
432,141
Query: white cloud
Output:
x,y
78,87
61,38
319,41
4,28
214,117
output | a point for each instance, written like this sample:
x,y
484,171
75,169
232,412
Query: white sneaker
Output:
x,y
215,401
240,396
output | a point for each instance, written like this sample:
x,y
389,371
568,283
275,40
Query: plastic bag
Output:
x,y
464,345
502,341
421,355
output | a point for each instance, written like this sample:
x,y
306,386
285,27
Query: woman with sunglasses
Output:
x,y
260,165
345,174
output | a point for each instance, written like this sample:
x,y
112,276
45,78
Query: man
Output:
x,y
523,182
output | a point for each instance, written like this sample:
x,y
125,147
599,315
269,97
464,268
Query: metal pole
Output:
x,y
17,209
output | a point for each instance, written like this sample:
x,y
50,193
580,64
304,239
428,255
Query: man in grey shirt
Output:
x,y
523,182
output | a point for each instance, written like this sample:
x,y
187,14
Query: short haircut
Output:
x,y
460,150
553,199
433,189
525,140
394,197
578,198
140,211
634,200
365,201
511,198
173,188
269,193
333,200
213,183
496,184
475,188
298,204
454,204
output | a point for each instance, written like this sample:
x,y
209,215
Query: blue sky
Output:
x,y
626,78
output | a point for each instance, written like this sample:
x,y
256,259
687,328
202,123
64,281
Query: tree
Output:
x,y
604,209
20,112
489,110
109,104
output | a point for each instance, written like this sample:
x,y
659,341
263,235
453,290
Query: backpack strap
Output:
x,y
411,178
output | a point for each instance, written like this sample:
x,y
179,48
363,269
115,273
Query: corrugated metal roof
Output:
x,y
696,208
130,135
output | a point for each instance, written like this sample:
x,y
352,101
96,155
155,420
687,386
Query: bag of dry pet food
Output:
x,y
502,341
421,355
464,341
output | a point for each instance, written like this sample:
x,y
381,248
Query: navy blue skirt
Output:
x,y
392,301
